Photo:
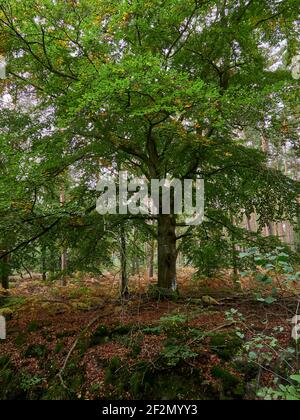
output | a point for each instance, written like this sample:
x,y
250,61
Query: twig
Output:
x,y
90,324
221,327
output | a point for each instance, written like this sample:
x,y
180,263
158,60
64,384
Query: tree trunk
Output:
x,y
297,233
235,270
249,227
64,266
135,265
123,256
270,228
63,259
4,273
167,253
151,260
44,269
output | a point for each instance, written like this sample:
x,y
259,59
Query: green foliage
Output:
x,y
29,382
173,354
266,353
289,392
38,351
272,269
172,322
17,385
261,348
12,302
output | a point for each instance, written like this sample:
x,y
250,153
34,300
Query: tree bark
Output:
x,y
297,235
123,257
64,266
44,269
151,260
63,259
4,273
235,270
270,228
167,253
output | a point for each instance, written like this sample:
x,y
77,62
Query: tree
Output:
x,y
162,87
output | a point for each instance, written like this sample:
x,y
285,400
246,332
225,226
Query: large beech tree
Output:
x,y
159,87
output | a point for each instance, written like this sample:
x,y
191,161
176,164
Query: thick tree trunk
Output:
x,y
167,253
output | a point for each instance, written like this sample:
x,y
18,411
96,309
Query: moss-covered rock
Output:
x,y
146,382
7,313
208,300
233,387
226,345
156,293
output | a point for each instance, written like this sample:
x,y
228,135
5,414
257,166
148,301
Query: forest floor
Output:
x,y
83,342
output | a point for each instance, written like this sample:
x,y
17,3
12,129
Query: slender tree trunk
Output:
x,y
44,269
265,146
270,229
235,272
136,256
151,260
135,265
64,266
297,227
53,260
4,272
63,258
297,233
249,227
167,253
123,257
